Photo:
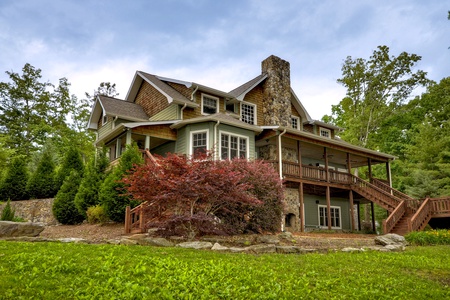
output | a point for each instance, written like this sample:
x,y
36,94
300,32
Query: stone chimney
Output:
x,y
276,92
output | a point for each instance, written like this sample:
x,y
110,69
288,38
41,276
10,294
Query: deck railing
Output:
x,y
421,217
394,217
440,206
411,203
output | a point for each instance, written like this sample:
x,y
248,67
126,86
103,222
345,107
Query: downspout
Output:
x,y
192,95
280,155
181,112
216,153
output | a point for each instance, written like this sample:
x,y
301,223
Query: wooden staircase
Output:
x,y
401,227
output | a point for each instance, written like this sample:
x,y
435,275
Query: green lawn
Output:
x,y
78,271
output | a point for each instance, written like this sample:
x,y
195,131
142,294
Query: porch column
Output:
x,y
147,142
374,228
299,152
352,210
359,215
369,164
349,164
327,174
328,207
128,140
388,173
301,212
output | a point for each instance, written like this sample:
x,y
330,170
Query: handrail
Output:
x,y
411,203
421,217
134,219
394,217
440,205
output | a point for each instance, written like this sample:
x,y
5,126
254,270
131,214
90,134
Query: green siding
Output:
x,y
312,210
104,130
162,150
170,113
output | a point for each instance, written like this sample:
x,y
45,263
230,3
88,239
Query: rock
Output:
x,y
287,249
14,229
305,250
286,235
268,239
396,247
261,248
390,239
196,245
350,249
155,241
72,240
219,247
138,236
113,242
128,242
237,249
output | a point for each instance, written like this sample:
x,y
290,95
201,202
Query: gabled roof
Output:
x,y
326,125
108,106
240,92
218,117
170,93
194,86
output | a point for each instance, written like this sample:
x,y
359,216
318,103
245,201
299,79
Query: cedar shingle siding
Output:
x,y
151,100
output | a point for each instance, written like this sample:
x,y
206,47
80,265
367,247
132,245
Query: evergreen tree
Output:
x,y
72,161
111,190
14,186
42,182
8,213
64,208
88,193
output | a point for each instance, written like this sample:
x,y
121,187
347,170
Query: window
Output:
x,y
104,120
335,216
295,122
199,143
210,105
231,107
325,132
248,113
232,146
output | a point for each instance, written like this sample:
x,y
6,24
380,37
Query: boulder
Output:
x,y
73,240
196,245
219,247
261,248
15,229
155,241
350,249
286,235
390,239
268,239
287,249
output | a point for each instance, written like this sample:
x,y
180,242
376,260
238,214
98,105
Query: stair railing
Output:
x,y
411,203
394,217
420,219
134,219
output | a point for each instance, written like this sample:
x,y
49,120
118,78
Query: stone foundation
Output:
x,y
36,211
291,210
269,152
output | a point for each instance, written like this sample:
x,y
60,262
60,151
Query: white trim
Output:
x,y
191,139
219,142
298,122
212,98
340,216
169,99
254,112
325,130
103,120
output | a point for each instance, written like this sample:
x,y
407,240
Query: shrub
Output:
x,y
111,191
72,161
64,208
8,214
42,182
14,186
96,214
88,192
431,237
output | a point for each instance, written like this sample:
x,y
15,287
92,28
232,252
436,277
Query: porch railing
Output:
x,y
394,217
421,217
411,203
440,206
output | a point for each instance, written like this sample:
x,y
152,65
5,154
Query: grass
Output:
x,y
79,271
429,237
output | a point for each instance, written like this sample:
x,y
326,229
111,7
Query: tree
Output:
x,y
14,186
376,88
105,89
72,161
64,208
42,181
188,192
31,110
112,189
88,192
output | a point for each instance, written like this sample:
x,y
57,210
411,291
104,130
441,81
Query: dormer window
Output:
x,y
325,132
210,105
104,120
248,113
295,122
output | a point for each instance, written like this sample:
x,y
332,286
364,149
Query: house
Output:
x,y
263,118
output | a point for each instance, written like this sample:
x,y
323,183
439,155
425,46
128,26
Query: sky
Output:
x,y
218,43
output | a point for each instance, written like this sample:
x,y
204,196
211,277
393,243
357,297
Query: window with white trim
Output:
x,y
335,212
104,119
232,146
199,141
210,105
295,122
325,132
248,113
